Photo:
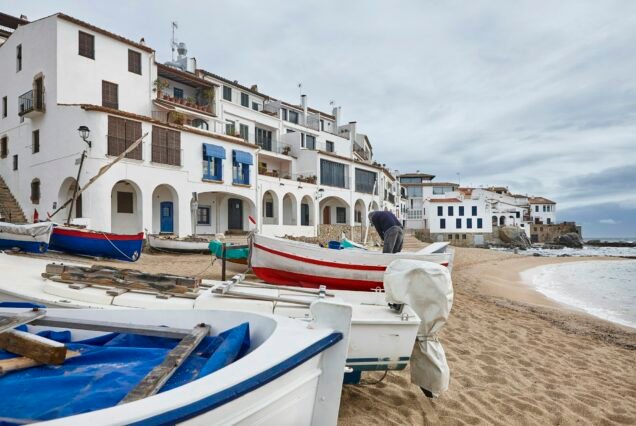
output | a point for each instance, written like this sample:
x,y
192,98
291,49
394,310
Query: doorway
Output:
x,y
235,214
167,217
326,215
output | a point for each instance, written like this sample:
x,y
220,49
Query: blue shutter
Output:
x,y
242,157
213,151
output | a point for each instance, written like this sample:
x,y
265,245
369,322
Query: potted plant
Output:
x,y
286,150
208,95
160,86
190,101
177,118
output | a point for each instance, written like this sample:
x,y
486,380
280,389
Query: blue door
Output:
x,y
167,225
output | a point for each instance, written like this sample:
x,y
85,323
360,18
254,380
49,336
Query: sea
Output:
x,y
603,288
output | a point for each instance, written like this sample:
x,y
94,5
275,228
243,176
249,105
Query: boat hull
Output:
x,y
291,263
29,238
177,246
97,244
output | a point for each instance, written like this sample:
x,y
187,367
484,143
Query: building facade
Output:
x,y
232,149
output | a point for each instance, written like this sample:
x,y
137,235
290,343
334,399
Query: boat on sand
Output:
x,y
31,238
86,242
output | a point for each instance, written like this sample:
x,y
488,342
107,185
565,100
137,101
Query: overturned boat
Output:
x,y
31,238
167,367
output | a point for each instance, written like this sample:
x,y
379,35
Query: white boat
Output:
x,y
290,375
33,238
178,245
381,338
292,263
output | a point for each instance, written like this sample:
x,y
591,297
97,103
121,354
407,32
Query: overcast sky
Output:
x,y
539,96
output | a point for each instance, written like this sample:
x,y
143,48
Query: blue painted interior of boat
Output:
x,y
109,367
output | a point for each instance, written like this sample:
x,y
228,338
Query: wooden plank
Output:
x,y
22,362
154,381
116,291
10,321
40,349
112,327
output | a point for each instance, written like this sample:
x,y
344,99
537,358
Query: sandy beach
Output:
x,y
515,358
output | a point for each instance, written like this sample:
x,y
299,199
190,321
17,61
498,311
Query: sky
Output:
x,y
539,96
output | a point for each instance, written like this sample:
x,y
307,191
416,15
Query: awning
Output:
x,y
213,151
243,157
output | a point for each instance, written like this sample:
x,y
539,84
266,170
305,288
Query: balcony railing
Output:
x,y
187,103
361,152
414,214
30,102
181,119
117,145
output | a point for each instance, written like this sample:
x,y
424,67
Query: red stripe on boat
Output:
x,y
276,276
321,262
98,235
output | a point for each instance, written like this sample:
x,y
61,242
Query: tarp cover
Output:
x,y
427,288
33,230
216,248
108,368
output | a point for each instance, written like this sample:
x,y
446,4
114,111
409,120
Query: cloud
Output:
x,y
608,222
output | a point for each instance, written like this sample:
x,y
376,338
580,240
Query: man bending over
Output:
x,y
390,230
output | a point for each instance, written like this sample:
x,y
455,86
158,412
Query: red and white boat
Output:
x,y
293,263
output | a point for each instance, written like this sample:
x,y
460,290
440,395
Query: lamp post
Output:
x,y
84,133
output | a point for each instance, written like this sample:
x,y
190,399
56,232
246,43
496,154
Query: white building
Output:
x,y
238,151
542,211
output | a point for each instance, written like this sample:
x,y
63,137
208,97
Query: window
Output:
x,y
440,211
463,236
461,210
269,208
86,45
124,202
341,215
4,107
442,223
480,223
330,146
134,62
177,93
310,142
283,112
536,209
200,124
213,163
245,132
332,174
458,223
241,162
450,210
518,214
229,128
203,215
293,116
322,125
264,138
166,146
110,96
18,58
35,191
35,141
414,192
227,93
121,135
245,100
549,221
411,179
15,162
469,223
474,210
365,181
254,106
4,147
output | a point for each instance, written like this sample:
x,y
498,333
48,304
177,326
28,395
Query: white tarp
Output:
x,y
427,288
33,230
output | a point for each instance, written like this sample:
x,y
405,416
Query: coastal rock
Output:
x,y
514,236
572,240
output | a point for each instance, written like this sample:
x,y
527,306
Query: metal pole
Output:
x,y
223,262
79,172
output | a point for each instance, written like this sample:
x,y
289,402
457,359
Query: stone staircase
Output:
x,y
10,210
411,243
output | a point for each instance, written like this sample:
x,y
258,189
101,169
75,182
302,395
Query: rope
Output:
x,y
117,248
368,383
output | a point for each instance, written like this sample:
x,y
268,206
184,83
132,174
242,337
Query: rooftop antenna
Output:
x,y
332,103
173,41
300,89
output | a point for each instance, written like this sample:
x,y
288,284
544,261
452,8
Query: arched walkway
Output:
x,y
307,211
270,208
374,207
290,209
165,210
126,208
494,221
360,213
502,221
224,212
64,194
334,210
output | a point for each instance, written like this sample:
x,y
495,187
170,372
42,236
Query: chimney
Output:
x,y
303,104
142,41
192,65
336,113
352,130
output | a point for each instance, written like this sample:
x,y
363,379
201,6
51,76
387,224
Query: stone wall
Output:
x,y
328,233
542,233
462,240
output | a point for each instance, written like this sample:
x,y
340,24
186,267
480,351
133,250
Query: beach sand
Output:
x,y
515,358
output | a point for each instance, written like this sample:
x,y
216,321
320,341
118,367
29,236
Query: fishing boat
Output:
x,y
178,245
234,253
86,242
292,263
32,238
102,367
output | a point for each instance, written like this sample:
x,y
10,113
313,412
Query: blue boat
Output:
x,y
85,242
32,238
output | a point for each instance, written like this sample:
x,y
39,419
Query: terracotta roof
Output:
x,y
424,175
10,21
183,77
133,116
104,32
466,191
445,200
540,200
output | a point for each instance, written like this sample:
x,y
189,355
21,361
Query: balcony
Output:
x,y
181,119
30,104
364,155
415,214
187,103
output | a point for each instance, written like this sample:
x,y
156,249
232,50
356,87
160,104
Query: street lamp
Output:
x,y
84,133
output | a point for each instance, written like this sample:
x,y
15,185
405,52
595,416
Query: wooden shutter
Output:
x,y
116,135
174,148
86,45
4,151
134,61
110,98
133,132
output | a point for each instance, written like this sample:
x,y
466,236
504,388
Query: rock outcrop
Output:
x,y
514,236
571,239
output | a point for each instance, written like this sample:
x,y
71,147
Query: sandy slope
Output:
x,y
511,362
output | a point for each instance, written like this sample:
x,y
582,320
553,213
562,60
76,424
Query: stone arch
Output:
x,y
269,214
334,210
290,209
225,213
494,221
126,211
64,194
502,221
165,210
307,211
373,206
360,213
